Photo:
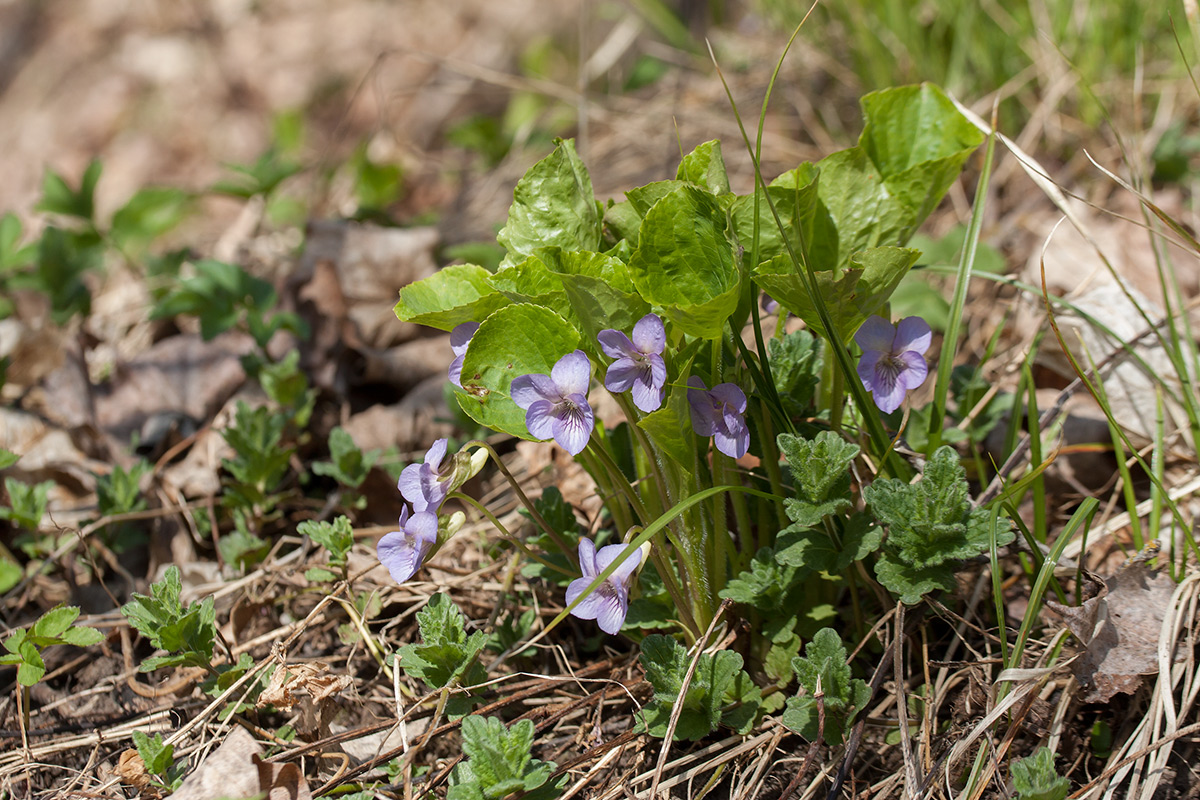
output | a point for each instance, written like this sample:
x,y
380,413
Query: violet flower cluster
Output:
x,y
556,407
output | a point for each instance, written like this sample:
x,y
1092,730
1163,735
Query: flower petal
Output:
x,y
876,334
460,337
526,390
649,335
587,558
572,424
888,392
573,373
866,368
455,371
400,554
912,333
615,344
646,396
590,606
609,553
413,483
734,441
540,419
611,611
914,371
435,454
701,406
423,526
621,374
730,395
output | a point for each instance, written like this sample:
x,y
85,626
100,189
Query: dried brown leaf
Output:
x,y
1119,627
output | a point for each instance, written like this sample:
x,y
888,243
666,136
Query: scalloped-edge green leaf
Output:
x,y
850,297
553,205
685,262
515,340
453,295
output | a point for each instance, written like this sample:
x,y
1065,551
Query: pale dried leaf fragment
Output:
x,y
1119,627
132,771
309,687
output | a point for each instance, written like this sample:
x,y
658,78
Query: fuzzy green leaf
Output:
x,y
347,465
824,663
714,685
1034,778
157,755
796,370
821,467
800,545
337,537
931,522
186,631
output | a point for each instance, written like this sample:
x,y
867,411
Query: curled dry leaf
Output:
x,y
131,769
1119,627
308,686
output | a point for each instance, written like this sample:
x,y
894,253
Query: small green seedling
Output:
x,y
56,626
447,657
187,632
24,648
1034,778
720,691
824,663
159,758
347,465
337,538
499,762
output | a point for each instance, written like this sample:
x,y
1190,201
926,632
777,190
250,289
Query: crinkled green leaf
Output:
x,y
794,196
931,521
348,465
705,166
446,653
553,205
851,295
824,663
666,664
912,583
685,262
796,369
670,427
767,585
187,631
821,468
156,754
455,294
812,547
515,340
599,289
499,761
622,221
643,198
337,537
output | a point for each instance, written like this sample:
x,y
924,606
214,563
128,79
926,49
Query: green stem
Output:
x,y
554,535
508,537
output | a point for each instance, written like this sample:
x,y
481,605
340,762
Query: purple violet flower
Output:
x,y
769,304
403,551
460,337
556,405
718,413
639,363
893,360
609,603
426,485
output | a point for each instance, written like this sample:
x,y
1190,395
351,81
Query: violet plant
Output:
x,y
741,491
